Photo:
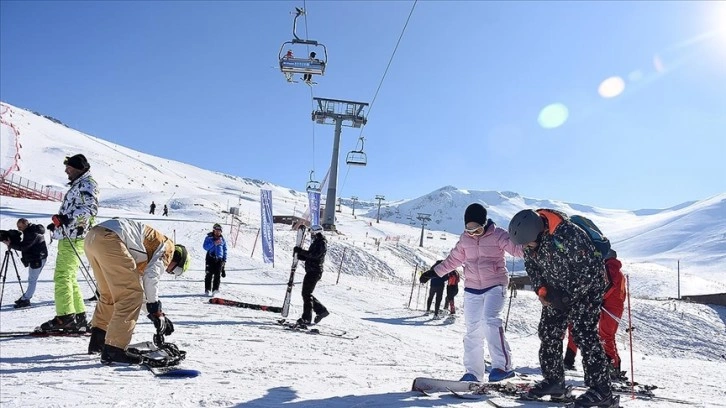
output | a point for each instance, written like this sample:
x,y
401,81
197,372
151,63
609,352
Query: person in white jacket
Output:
x,y
128,259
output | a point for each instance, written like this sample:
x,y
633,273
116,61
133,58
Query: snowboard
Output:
x,y
152,357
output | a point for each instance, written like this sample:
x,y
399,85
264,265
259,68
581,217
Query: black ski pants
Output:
x,y
213,269
310,303
438,291
584,316
451,292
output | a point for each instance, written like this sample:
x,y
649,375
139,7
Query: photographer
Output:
x,y
34,254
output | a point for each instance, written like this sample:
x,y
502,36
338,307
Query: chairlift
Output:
x,y
357,157
430,235
313,64
313,185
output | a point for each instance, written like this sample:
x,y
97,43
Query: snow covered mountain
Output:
x,y
248,360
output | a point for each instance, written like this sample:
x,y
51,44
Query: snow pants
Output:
x,y
607,328
119,286
33,274
483,319
584,317
451,292
310,303
68,297
213,273
437,291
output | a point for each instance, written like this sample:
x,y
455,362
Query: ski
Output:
x,y
290,283
227,302
44,334
341,334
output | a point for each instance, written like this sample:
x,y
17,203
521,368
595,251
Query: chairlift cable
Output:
x,y
312,96
380,84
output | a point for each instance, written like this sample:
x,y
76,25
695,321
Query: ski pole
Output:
x,y
413,284
511,294
630,332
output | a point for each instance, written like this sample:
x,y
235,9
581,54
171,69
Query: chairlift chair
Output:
x,y
295,65
313,185
357,157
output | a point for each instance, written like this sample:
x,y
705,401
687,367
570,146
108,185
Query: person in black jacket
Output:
x,y
314,257
438,283
34,253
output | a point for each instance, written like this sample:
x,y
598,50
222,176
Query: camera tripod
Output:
x,y
4,270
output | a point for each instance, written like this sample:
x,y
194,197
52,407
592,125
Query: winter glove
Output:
x,y
163,325
60,219
554,298
51,227
296,250
224,273
426,276
79,231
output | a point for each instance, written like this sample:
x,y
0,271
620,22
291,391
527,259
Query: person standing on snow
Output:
x,y
314,258
128,259
481,250
452,289
34,253
77,213
568,276
152,208
613,305
435,289
215,261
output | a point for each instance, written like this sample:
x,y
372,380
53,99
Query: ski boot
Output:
x,y
601,397
113,354
82,325
98,340
21,303
65,323
556,390
321,316
302,323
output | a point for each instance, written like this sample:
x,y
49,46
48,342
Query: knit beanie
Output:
x,y
475,213
78,162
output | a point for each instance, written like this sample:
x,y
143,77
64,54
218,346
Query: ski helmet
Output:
x,y
181,258
525,227
316,229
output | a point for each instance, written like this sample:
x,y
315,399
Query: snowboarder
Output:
x,y
120,250
34,253
481,250
215,261
611,311
166,211
152,208
567,275
76,214
314,258
452,289
435,289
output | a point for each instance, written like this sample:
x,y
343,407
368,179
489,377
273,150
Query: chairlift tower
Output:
x,y
354,199
378,217
336,112
423,218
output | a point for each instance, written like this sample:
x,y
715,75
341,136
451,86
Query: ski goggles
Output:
x,y
474,231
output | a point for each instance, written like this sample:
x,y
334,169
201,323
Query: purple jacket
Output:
x,y
482,257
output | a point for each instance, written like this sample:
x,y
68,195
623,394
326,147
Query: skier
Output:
x,y
567,275
77,213
120,250
481,250
436,289
166,211
452,289
610,314
308,78
215,261
152,208
34,253
314,258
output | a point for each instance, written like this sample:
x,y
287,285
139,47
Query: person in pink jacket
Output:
x,y
481,250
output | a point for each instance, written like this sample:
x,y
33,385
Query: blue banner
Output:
x,y
314,205
268,242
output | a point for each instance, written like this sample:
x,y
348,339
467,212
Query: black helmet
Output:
x,y
525,227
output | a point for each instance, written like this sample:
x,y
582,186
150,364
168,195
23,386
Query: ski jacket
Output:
x,y
80,205
482,257
32,248
614,298
565,260
439,280
151,250
453,278
214,251
314,256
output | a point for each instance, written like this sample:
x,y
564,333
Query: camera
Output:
x,y
14,236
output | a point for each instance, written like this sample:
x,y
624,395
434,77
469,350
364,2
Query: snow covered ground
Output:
x,y
248,360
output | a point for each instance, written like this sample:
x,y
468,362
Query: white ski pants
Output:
x,y
483,318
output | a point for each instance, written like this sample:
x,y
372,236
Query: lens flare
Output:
x,y
553,116
611,87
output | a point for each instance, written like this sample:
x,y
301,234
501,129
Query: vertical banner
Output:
x,y
268,243
314,205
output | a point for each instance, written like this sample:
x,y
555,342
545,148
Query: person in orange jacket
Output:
x,y
610,314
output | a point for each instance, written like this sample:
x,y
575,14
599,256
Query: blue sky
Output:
x,y
198,82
